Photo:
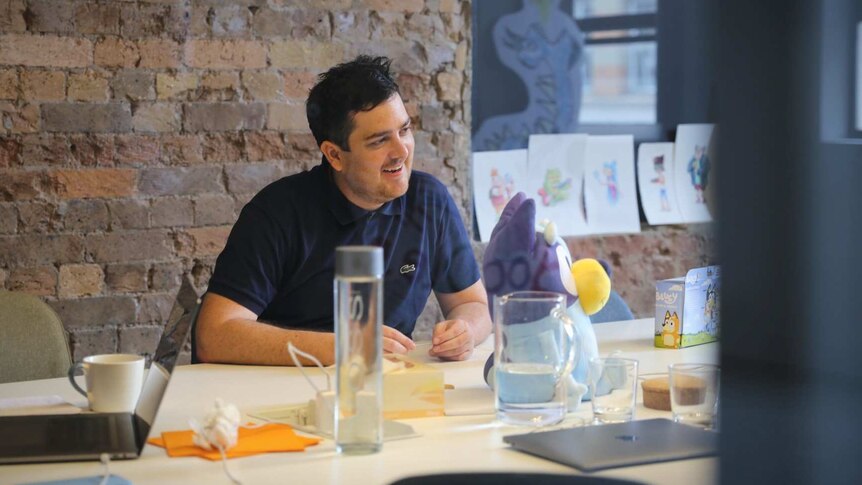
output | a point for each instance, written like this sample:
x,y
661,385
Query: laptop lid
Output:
x,y
591,448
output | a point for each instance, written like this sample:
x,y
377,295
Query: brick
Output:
x,y
116,52
263,85
39,217
180,181
155,308
137,150
244,178
91,183
39,280
56,16
88,86
449,86
12,16
128,246
20,119
9,84
461,56
395,5
230,21
305,54
129,214
294,23
10,152
213,209
199,24
18,186
350,25
135,85
78,280
224,116
322,4
175,86
100,340
303,144
165,276
9,220
449,6
222,147
95,312
151,21
86,118
182,150
171,212
138,340
218,86
126,278
40,250
159,54
262,145
91,150
48,51
287,117
209,241
4,275
156,118
434,118
225,54
298,84
85,215
45,149
93,18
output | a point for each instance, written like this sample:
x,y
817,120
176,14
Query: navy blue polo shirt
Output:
x,y
279,260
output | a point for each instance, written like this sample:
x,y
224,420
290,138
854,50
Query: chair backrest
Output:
x,y
33,343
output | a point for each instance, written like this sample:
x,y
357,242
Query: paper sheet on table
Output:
x,y
469,401
33,405
266,439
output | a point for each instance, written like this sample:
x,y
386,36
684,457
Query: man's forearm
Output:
x,y
477,317
241,341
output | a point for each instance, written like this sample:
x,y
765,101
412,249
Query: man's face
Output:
x,y
377,167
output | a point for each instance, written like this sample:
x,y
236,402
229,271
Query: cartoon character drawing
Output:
x,y
544,48
501,190
710,310
698,169
658,165
670,330
608,178
555,189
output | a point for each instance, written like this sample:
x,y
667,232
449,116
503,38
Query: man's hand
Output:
x,y
452,340
395,342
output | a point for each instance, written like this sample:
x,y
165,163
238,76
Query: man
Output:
x,y
278,264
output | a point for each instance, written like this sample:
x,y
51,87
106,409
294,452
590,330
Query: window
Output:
x,y
620,84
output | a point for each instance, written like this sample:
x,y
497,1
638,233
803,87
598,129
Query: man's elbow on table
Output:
x,y
210,328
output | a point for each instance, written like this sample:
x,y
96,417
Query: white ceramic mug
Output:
x,y
114,381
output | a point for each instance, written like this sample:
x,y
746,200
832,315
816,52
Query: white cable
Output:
x,y
293,351
105,459
219,430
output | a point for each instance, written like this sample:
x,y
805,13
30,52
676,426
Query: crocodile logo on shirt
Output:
x,y
408,268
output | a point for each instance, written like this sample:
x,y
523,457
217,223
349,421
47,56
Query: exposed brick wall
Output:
x,y
132,133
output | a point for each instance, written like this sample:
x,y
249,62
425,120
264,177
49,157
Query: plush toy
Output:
x,y
521,258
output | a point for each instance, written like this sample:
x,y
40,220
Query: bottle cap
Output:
x,y
359,261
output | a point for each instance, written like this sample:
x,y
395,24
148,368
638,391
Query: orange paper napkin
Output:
x,y
266,439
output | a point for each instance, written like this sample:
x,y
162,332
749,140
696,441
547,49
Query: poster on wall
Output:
x,y
497,176
609,185
693,171
554,180
655,183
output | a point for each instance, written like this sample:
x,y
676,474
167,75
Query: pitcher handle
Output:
x,y
573,337
72,371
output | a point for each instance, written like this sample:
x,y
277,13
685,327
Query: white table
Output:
x,y
446,444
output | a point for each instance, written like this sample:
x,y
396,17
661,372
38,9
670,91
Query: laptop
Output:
x,y
591,448
85,436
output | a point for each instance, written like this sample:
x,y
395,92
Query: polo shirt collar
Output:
x,y
346,212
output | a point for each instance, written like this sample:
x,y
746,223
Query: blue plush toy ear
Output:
x,y
506,266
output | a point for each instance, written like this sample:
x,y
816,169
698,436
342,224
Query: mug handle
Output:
x,y
72,371
573,337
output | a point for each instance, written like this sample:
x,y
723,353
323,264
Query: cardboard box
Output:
x,y
687,310
411,389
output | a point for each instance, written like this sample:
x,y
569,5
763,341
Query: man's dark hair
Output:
x,y
344,90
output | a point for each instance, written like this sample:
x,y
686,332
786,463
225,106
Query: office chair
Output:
x,y
33,343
